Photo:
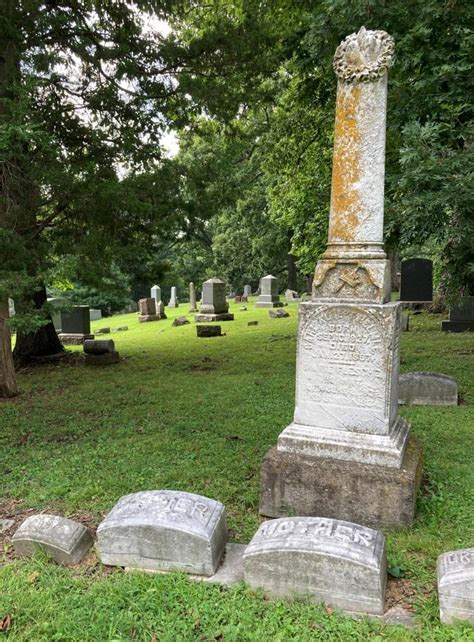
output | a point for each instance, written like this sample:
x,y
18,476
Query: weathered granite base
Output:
x,y
205,318
144,318
457,326
106,359
374,496
74,339
269,304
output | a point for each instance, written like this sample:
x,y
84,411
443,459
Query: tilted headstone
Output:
x,y
95,315
456,585
461,317
173,302
347,435
147,310
214,306
66,541
164,530
192,298
269,296
427,389
335,562
76,325
247,290
292,295
416,280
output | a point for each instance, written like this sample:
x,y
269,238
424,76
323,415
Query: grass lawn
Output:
x,y
198,415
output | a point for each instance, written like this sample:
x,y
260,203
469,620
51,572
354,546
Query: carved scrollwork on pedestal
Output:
x,y
364,56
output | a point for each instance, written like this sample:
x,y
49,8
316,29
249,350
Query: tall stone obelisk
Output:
x,y
347,453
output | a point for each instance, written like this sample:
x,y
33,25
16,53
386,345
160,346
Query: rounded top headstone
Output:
x,y
364,56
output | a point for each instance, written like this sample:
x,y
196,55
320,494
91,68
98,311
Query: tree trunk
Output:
x,y
291,265
8,387
43,342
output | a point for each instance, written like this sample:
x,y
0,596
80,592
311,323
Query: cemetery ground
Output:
x,y
198,415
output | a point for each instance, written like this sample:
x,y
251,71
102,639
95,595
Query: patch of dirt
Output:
x,y
400,592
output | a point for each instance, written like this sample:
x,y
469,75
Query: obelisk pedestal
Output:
x,y
347,453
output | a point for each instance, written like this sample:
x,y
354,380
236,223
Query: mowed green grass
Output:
x,y
198,415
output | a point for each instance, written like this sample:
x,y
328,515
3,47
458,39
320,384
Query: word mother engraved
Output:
x,y
333,561
164,530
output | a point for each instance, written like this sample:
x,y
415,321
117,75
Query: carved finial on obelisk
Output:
x,y
354,266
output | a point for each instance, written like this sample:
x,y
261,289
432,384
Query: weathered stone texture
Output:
x,y
427,389
209,331
106,359
99,346
269,293
336,562
456,585
164,530
376,496
278,314
66,541
213,297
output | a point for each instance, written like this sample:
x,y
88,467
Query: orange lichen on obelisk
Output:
x,y
345,199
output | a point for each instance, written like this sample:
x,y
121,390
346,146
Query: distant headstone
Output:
x,y
336,562
147,310
102,331
192,298
11,308
243,308
405,322
278,314
237,299
416,281
159,306
120,328
461,317
252,323
173,302
101,352
292,296
76,325
209,331
456,585
95,315
247,290
427,389
180,321
164,530
269,297
214,306
67,542
244,299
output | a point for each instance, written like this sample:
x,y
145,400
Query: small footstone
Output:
x,y
456,585
99,346
164,530
405,322
120,328
67,542
102,331
243,308
252,323
209,331
336,562
180,321
278,314
106,359
427,389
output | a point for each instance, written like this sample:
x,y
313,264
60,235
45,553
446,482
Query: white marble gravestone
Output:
x,y
269,293
66,541
456,585
427,389
164,530
348,350
173,302
247,291
335,562
214,306
159,306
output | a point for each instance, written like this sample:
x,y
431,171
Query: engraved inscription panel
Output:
x,y
343,368
333,561
164,530
456,585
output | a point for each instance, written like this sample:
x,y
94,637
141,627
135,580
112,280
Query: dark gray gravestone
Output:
x,y
461,317
77,321
416,281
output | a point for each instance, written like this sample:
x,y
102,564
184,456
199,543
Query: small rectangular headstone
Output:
x,y
427,389
164,530
66,541
336,562
99,346
456,585
416,281
77,321
209,330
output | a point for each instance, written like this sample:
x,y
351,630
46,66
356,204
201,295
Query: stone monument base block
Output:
x,y
371,495
457,326
72,339
144,318
204,318
269,304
